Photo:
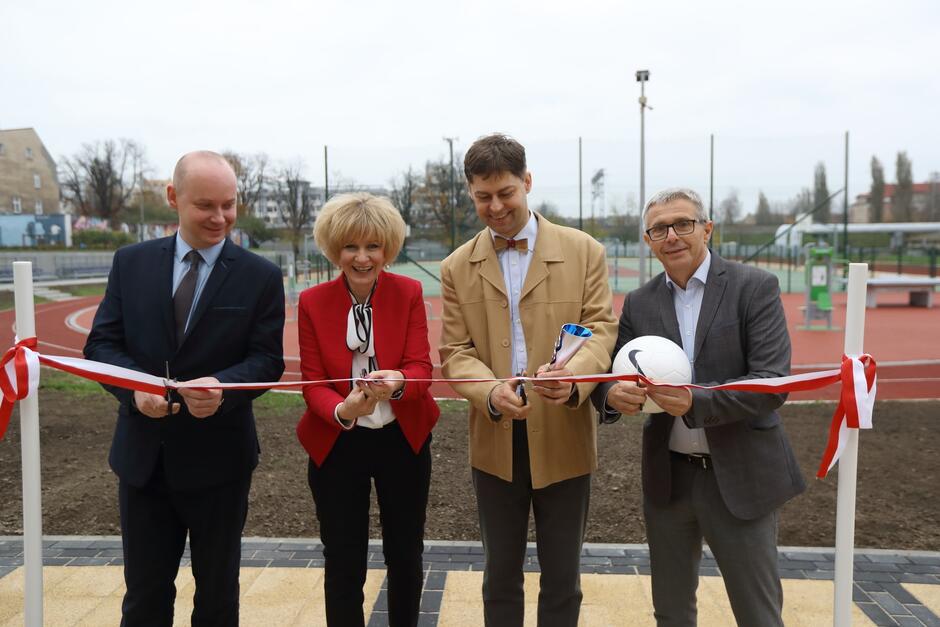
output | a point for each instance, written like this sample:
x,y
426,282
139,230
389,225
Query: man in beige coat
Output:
x,y
507,293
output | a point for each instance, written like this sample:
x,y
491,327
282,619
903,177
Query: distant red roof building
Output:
x,y
925,203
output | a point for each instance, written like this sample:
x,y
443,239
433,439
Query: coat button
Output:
x,y
503,304
505,343
506,424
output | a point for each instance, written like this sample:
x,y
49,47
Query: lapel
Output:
x,y
335,313
165,288
227,260
714,291
548,249
484,254
667,310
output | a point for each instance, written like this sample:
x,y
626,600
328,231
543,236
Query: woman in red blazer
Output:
x,y
367,323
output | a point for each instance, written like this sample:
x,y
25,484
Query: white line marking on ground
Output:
x,y
72,320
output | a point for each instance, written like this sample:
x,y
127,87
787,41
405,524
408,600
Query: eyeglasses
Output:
x,y
661,231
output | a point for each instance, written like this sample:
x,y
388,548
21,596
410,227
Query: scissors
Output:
x,y
520,389
169,392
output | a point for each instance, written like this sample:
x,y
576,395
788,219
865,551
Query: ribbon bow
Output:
x,y
854,411
19,377
501,244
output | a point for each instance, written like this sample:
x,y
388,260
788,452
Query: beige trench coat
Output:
x,y
566,282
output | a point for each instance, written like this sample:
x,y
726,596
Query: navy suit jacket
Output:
x,y
235,334
741,334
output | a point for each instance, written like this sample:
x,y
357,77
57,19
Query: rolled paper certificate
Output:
x,y
570,340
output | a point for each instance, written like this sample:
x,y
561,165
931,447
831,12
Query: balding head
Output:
x,y
204,194
193,159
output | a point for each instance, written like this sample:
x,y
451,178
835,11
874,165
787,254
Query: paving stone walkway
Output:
x,y
891,587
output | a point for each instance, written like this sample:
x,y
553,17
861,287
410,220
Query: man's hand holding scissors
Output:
x,y
154,405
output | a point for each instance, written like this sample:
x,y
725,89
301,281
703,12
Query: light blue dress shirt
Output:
x,y
688,304
180,268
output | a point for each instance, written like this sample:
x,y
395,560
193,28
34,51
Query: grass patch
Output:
x,y
52,379
7,301
453,406
84,289
79,290
279,401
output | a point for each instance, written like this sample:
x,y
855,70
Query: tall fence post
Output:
x,y
616,265
29,443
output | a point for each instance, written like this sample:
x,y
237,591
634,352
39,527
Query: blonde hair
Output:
x,y
359,215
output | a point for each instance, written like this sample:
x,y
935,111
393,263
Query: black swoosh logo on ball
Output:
x,y
632,357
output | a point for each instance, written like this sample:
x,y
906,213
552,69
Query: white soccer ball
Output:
x,y
660,359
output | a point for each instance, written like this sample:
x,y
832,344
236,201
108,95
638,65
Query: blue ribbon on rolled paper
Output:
x,y
571,338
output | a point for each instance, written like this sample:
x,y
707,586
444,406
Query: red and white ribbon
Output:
x,y
854,411
19,377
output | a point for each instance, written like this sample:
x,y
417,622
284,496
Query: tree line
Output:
x,y
105,178
901,207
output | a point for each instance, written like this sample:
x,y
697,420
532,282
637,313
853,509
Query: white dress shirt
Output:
x,y
515,265
688,304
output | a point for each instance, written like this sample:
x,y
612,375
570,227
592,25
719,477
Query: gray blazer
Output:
x,y
741,334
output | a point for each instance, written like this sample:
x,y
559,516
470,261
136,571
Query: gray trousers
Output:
x,y
746,552
560,512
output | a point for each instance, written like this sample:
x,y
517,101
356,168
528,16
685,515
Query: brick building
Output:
x,y
28,180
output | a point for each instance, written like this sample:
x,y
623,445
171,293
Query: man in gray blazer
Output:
x,y
716,464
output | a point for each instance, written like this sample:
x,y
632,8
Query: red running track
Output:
x,y
905,341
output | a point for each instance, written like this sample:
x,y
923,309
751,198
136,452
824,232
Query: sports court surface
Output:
x,y
904,340
282,578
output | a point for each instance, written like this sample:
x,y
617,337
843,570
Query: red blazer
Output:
x,y
401,343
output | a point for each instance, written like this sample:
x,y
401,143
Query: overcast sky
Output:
x,y
381,83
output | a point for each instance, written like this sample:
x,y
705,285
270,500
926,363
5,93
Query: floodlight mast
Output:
x,y
641,77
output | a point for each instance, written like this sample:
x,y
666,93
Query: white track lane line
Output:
x,y
71,321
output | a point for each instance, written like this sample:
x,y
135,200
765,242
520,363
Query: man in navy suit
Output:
x,y
197,308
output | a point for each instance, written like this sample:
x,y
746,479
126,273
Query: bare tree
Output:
x,y
433,196
295,202
730,208
404,189
762,214
802,203
100,179
250,172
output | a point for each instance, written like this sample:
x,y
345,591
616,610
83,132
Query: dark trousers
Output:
x,y
154,524
560,512
746,552
341,492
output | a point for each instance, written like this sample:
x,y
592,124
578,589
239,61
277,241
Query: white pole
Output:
x,y
848,460
29,440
